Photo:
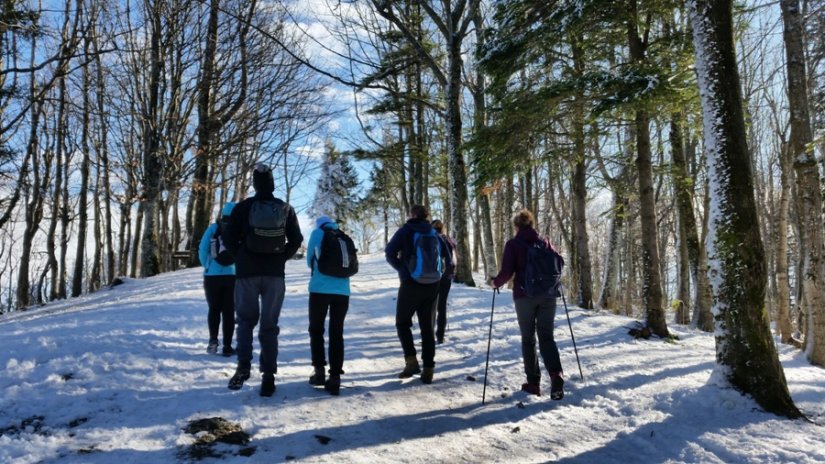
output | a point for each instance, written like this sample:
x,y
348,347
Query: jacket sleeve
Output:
x,y
446,251
508,264
203,248
294,238
314,242
393,249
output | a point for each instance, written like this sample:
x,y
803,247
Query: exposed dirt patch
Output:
x,y
212,431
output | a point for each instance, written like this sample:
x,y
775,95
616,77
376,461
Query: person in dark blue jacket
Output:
x,y
218,283
326,294
415,297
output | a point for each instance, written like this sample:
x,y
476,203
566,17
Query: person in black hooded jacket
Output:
x,y
259,274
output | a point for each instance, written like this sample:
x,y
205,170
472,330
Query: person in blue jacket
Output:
x,y
326,294
219,283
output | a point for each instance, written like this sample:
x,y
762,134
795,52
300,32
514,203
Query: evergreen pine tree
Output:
x,y
337,192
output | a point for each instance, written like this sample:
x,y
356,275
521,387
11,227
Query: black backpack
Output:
x,y
267,226
339,258
543,270
217,251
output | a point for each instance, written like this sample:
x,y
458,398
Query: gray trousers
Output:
x,y
257,299
535,317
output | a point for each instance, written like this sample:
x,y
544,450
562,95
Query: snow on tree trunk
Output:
x,y
745,353
809,195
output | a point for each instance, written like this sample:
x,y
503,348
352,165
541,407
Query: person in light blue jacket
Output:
x,y
326,294
219,283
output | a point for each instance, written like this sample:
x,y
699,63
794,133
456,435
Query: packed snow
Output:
x,y
121,375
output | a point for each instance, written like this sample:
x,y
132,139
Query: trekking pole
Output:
x,y
569,324
489,336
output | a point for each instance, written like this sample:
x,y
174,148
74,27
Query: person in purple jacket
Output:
x,y
535,314
445,284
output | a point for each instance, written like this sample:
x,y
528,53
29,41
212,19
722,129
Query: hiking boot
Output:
x,y
333,384
427,375
411,368
241,376
228,351
531,388
268,385
556,387
317,378
212,347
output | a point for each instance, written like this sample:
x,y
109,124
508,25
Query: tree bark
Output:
x,y
651,265
83,198
152,163
745,353
211,121
688,230
34,207
809,195
783,289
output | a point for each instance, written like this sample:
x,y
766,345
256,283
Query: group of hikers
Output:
x,y
244,254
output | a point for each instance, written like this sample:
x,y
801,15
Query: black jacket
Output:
x,y
248,263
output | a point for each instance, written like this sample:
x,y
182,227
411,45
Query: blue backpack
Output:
x,y
425,265
543,270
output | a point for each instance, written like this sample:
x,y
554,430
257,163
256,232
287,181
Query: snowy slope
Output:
x,y
117,376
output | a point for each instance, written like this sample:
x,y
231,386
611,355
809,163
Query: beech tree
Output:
x,y
745,353
808,188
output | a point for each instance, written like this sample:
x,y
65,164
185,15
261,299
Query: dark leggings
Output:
x,y
441,316
220,297
337,306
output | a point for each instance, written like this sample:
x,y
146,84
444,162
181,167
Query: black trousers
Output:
x,y
441,312
415,298
220,297
337,306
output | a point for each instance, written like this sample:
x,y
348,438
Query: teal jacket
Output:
x,y
210,267
321,283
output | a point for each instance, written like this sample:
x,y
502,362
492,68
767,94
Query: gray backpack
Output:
x,y
267,226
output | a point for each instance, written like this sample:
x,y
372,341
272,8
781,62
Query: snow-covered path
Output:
x,y
117,376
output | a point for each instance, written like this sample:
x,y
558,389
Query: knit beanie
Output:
x,y
262,180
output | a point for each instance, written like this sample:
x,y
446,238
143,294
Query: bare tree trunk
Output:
x,y
783,289
212,120
745,352
809,195
651,266
152,163
103,157
95,278
479,92
65,222
59,168
688,234
83,198
579,186
458,174
34,207
610,297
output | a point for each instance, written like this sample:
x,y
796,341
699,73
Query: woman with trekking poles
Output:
x,y
528,256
